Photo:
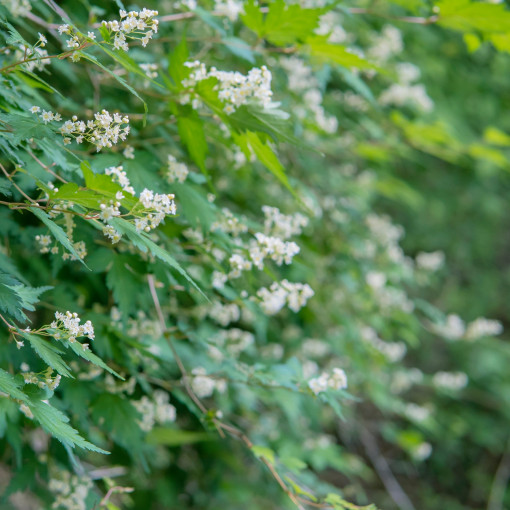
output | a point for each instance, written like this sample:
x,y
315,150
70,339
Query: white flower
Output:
x,y
35,109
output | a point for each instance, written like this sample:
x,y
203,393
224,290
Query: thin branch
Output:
x,y
383,469
420,20
15,185
47,168
498,489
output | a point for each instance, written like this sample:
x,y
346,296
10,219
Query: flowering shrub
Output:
x,y
272,301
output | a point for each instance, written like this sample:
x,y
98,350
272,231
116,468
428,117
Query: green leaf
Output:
x,y
468,16
253,17
9,385
191,131
56,423
49,353
29,295
10,301
119,418
289,23
266,156
124,284
176,437
118,78
141,240
194,205
57,232
5,187
73,193
264,451
127,63
176,60
90,356
320,49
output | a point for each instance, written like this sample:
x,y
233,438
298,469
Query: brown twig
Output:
x,y
15,185
420,20
47,168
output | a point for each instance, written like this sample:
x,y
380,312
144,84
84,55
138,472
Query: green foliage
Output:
x,y
247,258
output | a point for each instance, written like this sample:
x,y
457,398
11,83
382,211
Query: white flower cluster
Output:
x,y
450,380
260,248
482,327
336,380
407,95
158,205
44,380
229,224
188,4
158,410
430,261
150,69
279,294
234,88
70,491
393,351
76,40
25,52
302,81
234,340
271,247
224,314
416,413
454,328
386,44
402,380
104,131
203,385
133,25
177,171
68,327
406,92
329,24
17,7
129,152
151,211
422,451
229,8
118,175
282,225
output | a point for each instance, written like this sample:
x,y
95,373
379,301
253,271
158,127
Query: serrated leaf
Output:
x,y
57,232
119,418
267,157
141,240
55,423
10,301
289,23
320,49
253,17
77,348
9,385
48,352
123,283
29,295
118,78
5,187
73,193
468,16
